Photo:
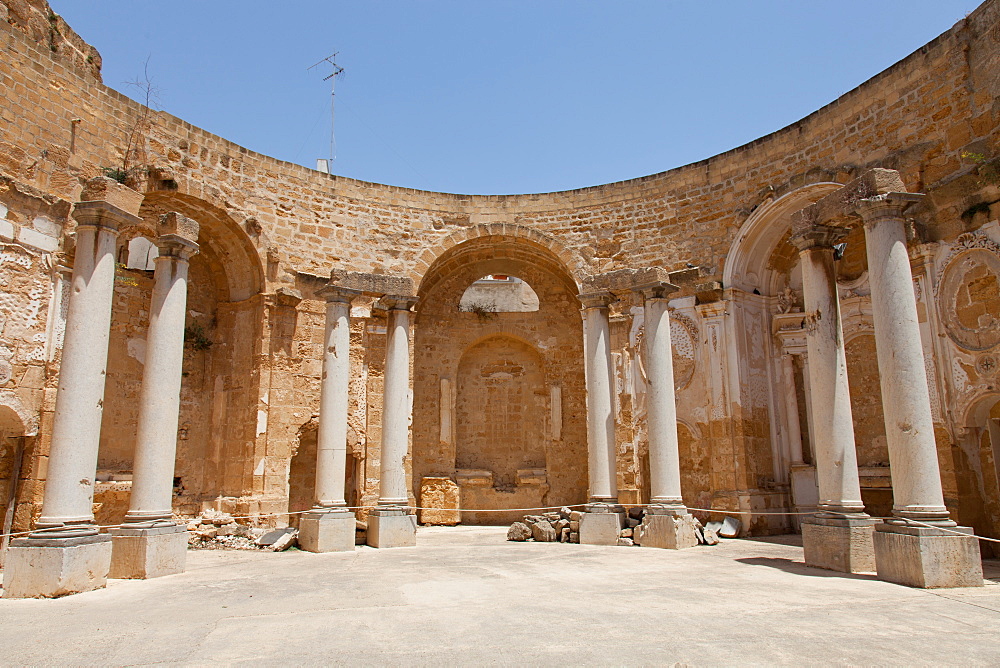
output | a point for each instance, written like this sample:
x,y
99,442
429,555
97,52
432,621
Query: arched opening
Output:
x,y
12,471
499,396
219,388
499,294
139,254
977,471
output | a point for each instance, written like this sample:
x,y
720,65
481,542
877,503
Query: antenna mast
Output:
x,y
332,78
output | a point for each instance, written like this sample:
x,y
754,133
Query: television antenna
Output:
x,y
332,78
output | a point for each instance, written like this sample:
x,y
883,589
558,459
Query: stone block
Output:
x,y
139,554
327,532
839,547
440,501
543,531
51,568
667,531
519,531
391,529
103,189
927,558
600,528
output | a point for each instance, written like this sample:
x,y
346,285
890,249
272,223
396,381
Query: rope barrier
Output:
x,y
518,510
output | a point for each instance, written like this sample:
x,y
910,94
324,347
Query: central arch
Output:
x,y
499,396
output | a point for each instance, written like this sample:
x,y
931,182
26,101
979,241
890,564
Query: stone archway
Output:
x,y
219,390
977,470
525,363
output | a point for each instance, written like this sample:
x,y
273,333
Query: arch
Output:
x,y
443,335
747,260
491,295
435,259
16,411
221,238
978,409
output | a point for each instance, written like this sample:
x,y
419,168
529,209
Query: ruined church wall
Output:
x,y
919,116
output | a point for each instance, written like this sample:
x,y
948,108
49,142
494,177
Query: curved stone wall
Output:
x,y
272,232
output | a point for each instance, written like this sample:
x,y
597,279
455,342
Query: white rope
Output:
x,y
519,510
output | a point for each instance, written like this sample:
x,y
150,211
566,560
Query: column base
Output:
x,y
600,525
927,558
140,553
668,530
47,568
327,530
843,545
392,527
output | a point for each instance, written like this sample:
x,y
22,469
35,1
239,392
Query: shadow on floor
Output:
x,y
991,570
799,568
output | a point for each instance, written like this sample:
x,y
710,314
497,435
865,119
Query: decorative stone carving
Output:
x,y
969,294
683,336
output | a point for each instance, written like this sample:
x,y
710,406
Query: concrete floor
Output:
x,y
466,596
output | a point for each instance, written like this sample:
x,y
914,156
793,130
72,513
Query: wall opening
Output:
x,y
499,293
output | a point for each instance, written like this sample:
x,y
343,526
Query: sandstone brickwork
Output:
x,y
499,399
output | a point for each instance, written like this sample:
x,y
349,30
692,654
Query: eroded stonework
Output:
x,y
499,398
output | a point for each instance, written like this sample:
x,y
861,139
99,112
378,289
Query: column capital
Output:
x,y
598,299
655,289
397,302
888,205
103,215
817,237
337,293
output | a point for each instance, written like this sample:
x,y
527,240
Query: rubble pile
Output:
x,y
216,530
564,527
553,527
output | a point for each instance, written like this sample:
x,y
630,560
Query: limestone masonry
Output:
x,y
217,330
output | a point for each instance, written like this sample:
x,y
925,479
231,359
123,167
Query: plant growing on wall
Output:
x,y
195,336
484,311
133,162
987,169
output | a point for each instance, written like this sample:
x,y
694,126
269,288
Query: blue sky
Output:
x,y
502,97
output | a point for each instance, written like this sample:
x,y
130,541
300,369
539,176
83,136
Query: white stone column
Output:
x,y
836,456
661,408
600,402
159,400
839,536
391,524
666,523
603,519
76,428
152,544
66,554
329,526
916,555
331,437
792,424
916,477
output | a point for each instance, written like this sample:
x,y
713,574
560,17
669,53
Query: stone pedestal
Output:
x,y
392,527
668,531
601,527
40,568
843,545
927,558
140,553
327,531
439,501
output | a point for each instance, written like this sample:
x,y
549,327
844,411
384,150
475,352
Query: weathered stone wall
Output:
x,y
271,231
